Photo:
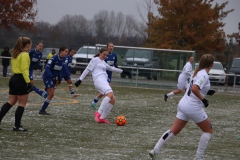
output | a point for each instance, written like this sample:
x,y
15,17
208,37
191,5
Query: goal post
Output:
x,y
151,63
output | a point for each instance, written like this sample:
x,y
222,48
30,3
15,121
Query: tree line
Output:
x,y
179,24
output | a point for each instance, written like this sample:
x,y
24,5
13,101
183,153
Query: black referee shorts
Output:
x,y
17,85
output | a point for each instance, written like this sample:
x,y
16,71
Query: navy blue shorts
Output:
x,y
48,82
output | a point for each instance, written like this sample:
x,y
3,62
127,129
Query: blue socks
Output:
x,y
45,105
72,91
40,92
96,100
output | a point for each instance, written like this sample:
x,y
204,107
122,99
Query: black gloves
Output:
x,y
205,102
78,83
210,92
126,73
29,87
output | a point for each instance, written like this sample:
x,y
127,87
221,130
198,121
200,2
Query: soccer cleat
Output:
x,y
94,106
153,155
44,113
20,128
165,97
75,95
97,116
103,121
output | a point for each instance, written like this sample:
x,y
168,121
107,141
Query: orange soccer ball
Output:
x,y
121,120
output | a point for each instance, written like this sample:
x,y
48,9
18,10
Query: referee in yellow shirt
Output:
x,y
19,84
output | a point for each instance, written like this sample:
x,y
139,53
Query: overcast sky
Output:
x,y
53,10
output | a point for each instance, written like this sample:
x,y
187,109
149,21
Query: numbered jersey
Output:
x,y
202,81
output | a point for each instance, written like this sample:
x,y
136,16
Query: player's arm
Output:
x,y
115,62
83,75
92,64
48,66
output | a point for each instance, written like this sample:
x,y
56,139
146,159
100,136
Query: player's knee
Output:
x,y
12,102
112,101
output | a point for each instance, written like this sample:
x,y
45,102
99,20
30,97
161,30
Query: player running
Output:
x,y
52,76
190,107
182,79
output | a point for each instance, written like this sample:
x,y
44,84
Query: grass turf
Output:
x,y
72,133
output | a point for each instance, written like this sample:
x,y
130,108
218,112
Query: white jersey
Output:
x,y
189,99
98,68
186,73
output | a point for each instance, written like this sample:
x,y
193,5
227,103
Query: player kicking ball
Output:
x,y
98,67
112,61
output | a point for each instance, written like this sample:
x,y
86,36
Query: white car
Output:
x,y
83,57
217,74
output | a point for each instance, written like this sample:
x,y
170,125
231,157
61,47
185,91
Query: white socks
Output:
x,y
202,145
105,107
165,137
107,110
170,94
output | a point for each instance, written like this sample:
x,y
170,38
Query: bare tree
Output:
x,y
145,10
72,28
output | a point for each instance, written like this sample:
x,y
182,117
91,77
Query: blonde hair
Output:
x,y
205,62
20,45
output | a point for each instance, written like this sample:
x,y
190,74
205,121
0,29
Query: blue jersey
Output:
x,y
53,67
66,71
112,61
68,62
35,58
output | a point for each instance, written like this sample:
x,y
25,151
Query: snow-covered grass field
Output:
x,y
71,133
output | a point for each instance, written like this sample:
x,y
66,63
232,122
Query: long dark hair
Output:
x,y
205,62
101,51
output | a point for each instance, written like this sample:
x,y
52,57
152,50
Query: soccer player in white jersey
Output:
x,y
98,67
182,79
190,108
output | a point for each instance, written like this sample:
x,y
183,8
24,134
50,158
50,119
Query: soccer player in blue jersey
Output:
x,y
66,73
35,58
52,76
112,61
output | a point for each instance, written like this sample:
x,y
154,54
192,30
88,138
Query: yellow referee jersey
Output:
x,y
20,65
50,55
